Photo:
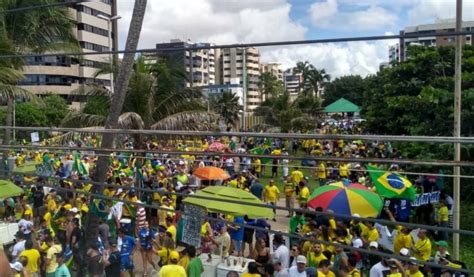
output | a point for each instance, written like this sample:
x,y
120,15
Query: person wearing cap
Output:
x,y
422,248
404,252
414,268
17,269
396,268
173,269
299,268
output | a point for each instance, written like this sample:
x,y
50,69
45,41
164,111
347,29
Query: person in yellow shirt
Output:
x,y
171,228
443,219
315,256
289,189
422,248
33,257
173,269
296,176
271,194
304,194
324,269
403,239
321,173
413,268
344,170
258,167
370,234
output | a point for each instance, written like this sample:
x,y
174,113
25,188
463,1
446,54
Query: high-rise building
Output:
x,y
293,82
199,65
96,31
273,68
242,63
398,52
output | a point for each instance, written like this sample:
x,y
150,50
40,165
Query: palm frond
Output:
x,y
14,92
78,119
188,121
131,120
81,133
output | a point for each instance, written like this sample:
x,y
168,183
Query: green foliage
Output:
x,y
350,87
55,109
416,97
227,106
313,79
270,86
97,104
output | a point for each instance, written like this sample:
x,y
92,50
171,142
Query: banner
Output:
x,y
193,218
426,198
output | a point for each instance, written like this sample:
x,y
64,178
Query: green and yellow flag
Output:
x,y
391,184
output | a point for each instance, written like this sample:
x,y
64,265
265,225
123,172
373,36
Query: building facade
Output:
x,y
64,75
244,64
293,82
272,68
199,65
398,52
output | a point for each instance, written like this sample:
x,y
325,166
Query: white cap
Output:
x,y
74,210
301,259
356,215
404,252
374,244
17,266
357,243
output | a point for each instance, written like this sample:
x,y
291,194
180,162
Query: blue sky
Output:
x,y
234,21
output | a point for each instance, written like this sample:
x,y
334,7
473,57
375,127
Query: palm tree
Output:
x,y
270,85
313,79
228,107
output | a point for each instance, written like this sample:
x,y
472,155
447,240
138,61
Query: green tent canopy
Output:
x,y
342,106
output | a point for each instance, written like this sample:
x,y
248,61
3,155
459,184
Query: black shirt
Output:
x,y
76,232
113,269
95,266
38,197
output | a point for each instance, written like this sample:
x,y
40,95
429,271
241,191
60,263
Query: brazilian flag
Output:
x,y
391,184
261,151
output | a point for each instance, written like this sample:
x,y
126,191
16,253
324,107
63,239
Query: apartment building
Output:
x,y
199,65
398,52
244,64
96,31
272,68
293,82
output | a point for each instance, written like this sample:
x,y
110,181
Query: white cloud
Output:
x,y
424,12
215,21
327,15
250,21
361,58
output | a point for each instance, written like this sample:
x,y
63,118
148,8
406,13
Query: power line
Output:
x,y
302,211
45,6
297,236
279,157
245,45
426,139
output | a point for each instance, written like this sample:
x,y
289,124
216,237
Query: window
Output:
x,y
90,11
95,64
49,61
108,2
47,80
93,46
93,29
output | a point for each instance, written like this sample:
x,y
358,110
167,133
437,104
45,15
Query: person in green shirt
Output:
x,y
195,267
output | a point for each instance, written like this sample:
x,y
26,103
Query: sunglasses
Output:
x,y
294,249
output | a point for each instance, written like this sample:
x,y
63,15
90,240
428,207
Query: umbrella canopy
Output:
x,y
8,189
347,200
27,167
211,173
228,193
216,146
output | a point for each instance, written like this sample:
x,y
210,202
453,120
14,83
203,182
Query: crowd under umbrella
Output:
x,y
211,173
218,197
347,200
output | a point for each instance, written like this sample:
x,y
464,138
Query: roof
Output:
x,y
342,106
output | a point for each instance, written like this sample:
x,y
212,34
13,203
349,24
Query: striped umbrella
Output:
x,y
347,200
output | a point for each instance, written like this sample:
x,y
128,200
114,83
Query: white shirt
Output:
x,y
229,162
18,248
378,270
293,272
357,243
282,255
25,226
282,273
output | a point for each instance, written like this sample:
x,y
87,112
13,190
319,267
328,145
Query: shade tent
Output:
x,y
342,106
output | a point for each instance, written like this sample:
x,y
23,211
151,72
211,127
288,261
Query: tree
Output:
x,y
270,85
227,106
350,87
55,109
313,79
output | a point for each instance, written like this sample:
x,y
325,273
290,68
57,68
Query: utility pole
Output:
x,y
457,127
244,84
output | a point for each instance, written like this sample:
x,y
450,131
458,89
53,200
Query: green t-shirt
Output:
x,y
195,267
295,224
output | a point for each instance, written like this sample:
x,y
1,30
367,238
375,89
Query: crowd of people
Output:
x,y
54,212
